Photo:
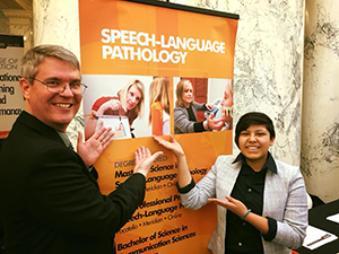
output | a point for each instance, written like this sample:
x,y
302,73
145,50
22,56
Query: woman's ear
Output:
x,y
272,141
25,88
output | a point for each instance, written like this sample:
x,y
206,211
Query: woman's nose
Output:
x,y
252,137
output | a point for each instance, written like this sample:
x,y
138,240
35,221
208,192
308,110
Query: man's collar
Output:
x,y
65,138
270,163
32,122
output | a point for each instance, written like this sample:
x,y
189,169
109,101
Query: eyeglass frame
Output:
x,y
61,88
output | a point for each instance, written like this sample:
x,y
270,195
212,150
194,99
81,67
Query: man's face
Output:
x,y
255,142
53,108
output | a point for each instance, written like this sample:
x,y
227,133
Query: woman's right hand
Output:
x,y
172,145
214,123
184,175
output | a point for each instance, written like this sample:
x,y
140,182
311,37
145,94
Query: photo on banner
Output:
x,y
217,94
134,55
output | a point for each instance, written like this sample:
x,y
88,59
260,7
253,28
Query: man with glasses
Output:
x,y
50,203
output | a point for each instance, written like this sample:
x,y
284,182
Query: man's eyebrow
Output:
x,y
57,78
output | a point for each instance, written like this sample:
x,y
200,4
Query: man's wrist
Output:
x,y
141,173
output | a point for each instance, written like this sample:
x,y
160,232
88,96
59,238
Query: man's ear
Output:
x,y
25,88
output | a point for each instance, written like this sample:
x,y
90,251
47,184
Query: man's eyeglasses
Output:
x,y
58,85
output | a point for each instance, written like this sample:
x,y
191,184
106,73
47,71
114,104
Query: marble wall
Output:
x,y
320,145
268,65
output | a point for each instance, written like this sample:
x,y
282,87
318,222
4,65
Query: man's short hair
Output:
x,y
253,118
33,58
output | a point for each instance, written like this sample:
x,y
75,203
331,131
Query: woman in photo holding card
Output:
x,y
128,102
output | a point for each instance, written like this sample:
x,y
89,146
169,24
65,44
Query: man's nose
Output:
x,y
66,91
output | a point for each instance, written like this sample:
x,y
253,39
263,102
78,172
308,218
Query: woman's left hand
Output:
x,y
171,144
234,205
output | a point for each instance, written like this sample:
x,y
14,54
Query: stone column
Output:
x,y
320,139
57,22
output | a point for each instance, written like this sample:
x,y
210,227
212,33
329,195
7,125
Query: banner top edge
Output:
x,y
187,8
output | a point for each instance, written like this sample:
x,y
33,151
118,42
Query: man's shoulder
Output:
x,y
26,140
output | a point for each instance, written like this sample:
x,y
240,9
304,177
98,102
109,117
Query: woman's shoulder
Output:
x,y
287,170
180,110
225,159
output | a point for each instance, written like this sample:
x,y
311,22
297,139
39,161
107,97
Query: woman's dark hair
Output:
x,y
253,118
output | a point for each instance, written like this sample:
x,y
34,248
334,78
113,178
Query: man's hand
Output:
x,y
92,148
144,160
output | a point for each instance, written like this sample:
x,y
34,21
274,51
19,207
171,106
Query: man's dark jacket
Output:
x,y
50,204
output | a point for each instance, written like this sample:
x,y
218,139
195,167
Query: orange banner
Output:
x,y
146,50
161,221
132,38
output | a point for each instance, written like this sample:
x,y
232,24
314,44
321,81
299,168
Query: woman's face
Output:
x,y
187,94
228,98
133,97
254,143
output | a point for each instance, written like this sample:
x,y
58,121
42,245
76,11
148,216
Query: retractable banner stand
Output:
x,y
133,55
11,100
